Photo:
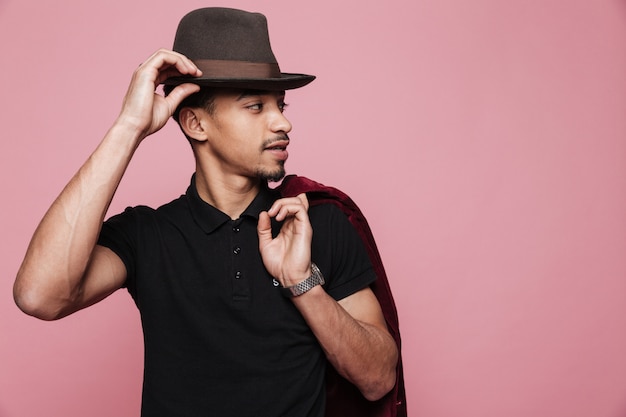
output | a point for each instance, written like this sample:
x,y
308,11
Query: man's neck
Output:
x,y
229,195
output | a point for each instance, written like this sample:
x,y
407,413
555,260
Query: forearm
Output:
x,y
50,276
363,353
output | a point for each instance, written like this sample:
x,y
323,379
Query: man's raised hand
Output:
x,y
143,108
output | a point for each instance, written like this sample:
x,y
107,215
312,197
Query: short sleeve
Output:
x,y
119,234
339,252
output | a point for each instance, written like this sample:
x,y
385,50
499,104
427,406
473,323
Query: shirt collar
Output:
x,y
210,218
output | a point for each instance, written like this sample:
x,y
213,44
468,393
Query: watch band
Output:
x,y
300,288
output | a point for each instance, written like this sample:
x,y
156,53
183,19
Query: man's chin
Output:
x,y
272,176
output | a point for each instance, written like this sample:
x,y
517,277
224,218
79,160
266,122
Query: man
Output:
x,y
244,294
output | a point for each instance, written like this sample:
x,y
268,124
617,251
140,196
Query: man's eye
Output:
x,y
256,107
282,106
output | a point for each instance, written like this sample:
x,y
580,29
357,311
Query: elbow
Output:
x,y
380,387
386,378
32,302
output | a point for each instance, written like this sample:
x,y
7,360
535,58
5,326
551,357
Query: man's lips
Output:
x,y
279,145
278,149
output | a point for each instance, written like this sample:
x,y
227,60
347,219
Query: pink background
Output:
x,y
484,140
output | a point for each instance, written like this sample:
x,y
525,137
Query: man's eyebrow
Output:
x,y
254,93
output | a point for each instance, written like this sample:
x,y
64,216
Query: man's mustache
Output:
x,y
271,141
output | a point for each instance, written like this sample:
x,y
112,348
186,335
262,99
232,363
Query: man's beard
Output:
x,y
279,173
273,176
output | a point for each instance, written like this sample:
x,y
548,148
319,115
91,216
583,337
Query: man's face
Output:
x,y
247,133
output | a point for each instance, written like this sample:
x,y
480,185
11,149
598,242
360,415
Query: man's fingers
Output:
x,y
282,211
164,64
164,59
285,207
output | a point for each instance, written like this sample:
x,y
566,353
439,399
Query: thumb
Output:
x,y
179,93
304,199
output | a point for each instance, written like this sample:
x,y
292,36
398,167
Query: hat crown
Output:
x,y
232,49
218,33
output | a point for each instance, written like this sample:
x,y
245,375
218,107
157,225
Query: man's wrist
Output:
x,y
306,285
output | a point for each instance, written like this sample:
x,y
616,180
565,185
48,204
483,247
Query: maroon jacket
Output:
x,y
343,398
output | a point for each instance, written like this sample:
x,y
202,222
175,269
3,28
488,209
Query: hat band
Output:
x,y
213,68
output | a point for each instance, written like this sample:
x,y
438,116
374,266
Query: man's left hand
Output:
x,y
287,257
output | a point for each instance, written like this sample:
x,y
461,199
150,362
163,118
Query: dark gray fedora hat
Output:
x,y
232,49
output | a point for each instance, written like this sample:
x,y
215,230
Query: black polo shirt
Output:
x,y
220,338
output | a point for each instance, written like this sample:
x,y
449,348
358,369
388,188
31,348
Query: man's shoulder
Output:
x,y
174,205
143,211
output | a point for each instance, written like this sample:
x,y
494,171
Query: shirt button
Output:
x,y
237,250
238,275
236,229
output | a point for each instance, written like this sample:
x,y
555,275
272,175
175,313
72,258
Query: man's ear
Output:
x,y
190,121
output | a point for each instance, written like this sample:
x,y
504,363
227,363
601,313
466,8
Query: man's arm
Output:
x,y
352,332
64,270
354,337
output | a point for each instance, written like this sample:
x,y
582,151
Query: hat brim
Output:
x,y
287,81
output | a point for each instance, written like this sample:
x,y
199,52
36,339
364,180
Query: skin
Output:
x,y
244,140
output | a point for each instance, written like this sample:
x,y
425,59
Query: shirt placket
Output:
x,y
240,282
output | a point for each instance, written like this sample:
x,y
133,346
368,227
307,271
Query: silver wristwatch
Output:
x,y
300,288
